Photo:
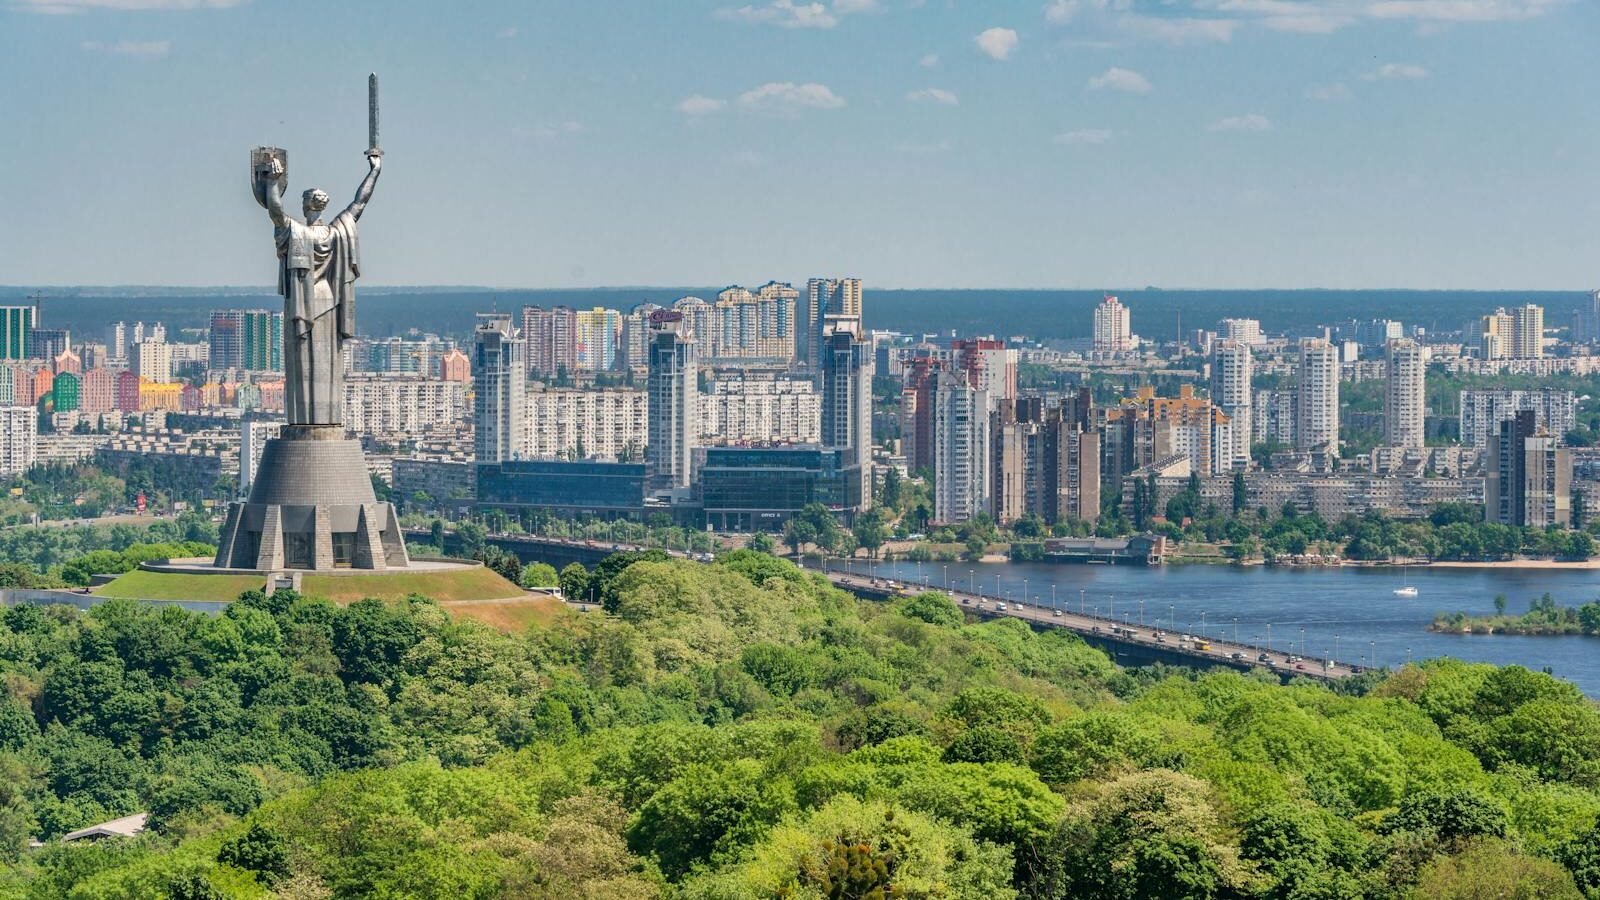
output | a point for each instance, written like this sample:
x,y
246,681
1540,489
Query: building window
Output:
x,y
344,548
297,551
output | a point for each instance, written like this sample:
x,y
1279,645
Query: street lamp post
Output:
x,y
1269,637
1141,613
1054,604
1236,629
946,578
974,586
1172,617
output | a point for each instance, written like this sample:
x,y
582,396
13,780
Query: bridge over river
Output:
x,y
1128,644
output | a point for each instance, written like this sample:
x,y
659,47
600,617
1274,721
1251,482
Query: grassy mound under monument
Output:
x,y
464,584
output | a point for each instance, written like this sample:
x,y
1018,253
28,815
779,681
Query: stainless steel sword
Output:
x,y
372,114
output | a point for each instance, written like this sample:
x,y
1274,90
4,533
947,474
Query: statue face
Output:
x,y
314,201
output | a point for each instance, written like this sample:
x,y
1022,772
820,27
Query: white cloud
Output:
x,y
788,98
929,61
846,7
1062,12
1117,78
507,33
1249,122
1178,30
136,49
1083,136
934,95
782,13
1216,21
997,43
1462,10
700,105
78,6
1328,93
1396,72
1308,22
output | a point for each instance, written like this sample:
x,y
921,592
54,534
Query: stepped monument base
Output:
x,y
311,508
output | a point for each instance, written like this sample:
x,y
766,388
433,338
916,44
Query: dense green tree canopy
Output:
x,y
743,730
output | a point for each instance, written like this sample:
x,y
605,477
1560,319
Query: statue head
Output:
x,y
313,201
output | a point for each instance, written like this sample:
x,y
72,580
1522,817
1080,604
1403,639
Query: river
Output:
x,y
1352,609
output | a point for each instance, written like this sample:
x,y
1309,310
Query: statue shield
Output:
x,y
261,170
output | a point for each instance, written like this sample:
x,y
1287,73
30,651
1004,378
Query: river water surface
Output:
x,y
1349,613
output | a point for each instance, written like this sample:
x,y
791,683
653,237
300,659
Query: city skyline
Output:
x,y
1397,144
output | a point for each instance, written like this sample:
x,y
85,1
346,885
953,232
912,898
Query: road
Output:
x,y
1201,647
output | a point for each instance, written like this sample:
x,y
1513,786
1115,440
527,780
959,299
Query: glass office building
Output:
x,y
605,490
760,488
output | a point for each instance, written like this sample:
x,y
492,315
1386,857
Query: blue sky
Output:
x,y
946,143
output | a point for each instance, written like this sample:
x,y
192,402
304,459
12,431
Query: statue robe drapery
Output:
x,y
317,271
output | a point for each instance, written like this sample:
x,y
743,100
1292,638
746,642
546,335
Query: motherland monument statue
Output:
x,y
311,504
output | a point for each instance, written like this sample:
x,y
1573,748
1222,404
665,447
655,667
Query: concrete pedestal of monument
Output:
x,y
311,508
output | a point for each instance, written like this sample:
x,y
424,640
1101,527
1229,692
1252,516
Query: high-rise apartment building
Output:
x,y
961,455
674,394
1495,338
455,366
699,325
97,391
597,330
916,412
48,343
260,341
16,327
748,410
1528,478
1482,411
19,438
1147,429
400,404
748,324
1231,372
225,335
248,339
825,297
1404,398
1245,331
989,365
1527,332
117,340
847,365
610,425
499,384
152,361
1044,462
1317,397
552,340
1113,330
1586,321
633,350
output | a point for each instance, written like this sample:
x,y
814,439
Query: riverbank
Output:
x,y
1521,563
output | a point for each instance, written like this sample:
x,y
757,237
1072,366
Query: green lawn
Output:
x,y
445,587
142,585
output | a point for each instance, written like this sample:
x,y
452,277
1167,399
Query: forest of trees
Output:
x,y
743,730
